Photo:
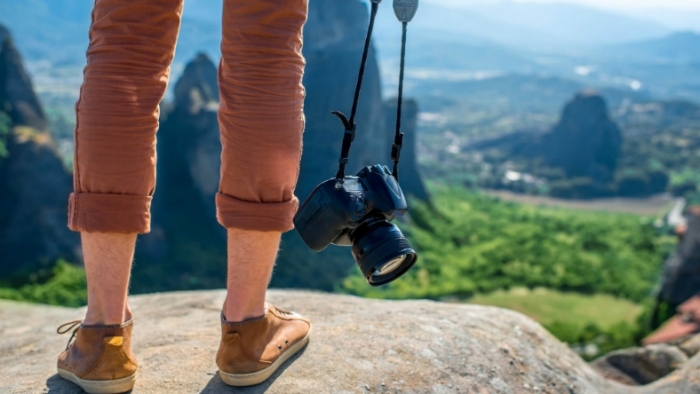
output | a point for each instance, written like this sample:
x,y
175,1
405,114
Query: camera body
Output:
x,y
339,206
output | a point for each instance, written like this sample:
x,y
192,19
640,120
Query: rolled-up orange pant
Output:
x,y
132,44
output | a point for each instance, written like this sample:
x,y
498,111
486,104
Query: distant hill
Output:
x,y
58,31
531,26
569,24
681,47
516,93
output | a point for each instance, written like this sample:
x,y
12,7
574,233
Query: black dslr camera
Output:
x,y
356,211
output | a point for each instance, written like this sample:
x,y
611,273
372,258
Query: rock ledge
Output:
x,y
358,346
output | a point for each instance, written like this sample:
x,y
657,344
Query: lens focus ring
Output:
x,y
382,253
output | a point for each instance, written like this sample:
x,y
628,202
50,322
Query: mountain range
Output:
x,y
42,26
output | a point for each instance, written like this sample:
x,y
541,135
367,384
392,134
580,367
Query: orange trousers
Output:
x,y
132,44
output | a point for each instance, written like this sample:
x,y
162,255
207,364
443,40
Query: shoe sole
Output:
x,y
251,379
101,386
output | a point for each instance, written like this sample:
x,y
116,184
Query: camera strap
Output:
x,y
398,137
405,10
349,124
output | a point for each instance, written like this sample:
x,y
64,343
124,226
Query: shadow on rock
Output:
x,y
217,386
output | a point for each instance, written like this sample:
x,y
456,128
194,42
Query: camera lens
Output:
x,y
381,251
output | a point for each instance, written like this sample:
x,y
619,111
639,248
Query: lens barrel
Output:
x,y
381,251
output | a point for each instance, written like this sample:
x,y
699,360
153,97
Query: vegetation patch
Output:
x,y
471,243
66,286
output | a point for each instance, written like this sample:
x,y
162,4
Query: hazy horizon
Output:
x,y
623,5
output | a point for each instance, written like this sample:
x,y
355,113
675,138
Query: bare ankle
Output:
x,y
103,316
237,313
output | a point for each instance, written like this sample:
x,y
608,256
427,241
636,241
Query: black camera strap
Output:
x,y
398,137
404,10
349,124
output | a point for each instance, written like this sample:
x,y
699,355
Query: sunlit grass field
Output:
x,y
549,306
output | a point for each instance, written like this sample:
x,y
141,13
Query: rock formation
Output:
x,y
663,368
333,41
17,98
185,235
34,184
586,142
640,366
357,346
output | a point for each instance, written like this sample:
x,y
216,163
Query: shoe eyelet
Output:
x,y
279,347
286,342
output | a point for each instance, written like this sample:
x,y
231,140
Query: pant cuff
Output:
x,y
109,213
255,216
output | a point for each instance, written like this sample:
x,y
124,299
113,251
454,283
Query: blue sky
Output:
x,y
630,5
675,14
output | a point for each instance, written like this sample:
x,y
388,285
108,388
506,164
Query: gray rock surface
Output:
x,y
640,366
358,346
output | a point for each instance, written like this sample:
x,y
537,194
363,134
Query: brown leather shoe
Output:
x,y
252,350
100,359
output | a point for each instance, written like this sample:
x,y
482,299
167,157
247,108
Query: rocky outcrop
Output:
x,y
640,366
185,235
663,368
586,142
17,98
34,184
357,346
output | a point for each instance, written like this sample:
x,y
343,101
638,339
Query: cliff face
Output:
x,y
34,184
333,43
185,235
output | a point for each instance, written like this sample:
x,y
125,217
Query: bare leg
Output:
x,y
251,256
108,258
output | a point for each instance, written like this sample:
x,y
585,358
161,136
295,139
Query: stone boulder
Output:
x,y
34,183
640,366
660,368
358,346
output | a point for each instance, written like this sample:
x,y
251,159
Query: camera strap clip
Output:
x,y
348,138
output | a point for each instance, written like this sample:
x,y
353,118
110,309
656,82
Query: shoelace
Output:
x,y
283,312
64,328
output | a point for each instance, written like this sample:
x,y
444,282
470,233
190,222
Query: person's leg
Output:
x,y
262,122
131,48
132,44
251,255
107,266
